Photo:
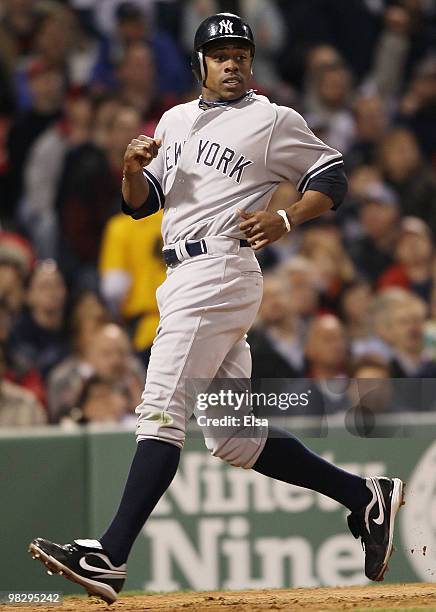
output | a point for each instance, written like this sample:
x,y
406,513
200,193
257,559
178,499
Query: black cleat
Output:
x,y
83,562
374,523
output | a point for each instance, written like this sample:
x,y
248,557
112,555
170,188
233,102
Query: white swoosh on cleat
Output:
x,y
101,570
381,517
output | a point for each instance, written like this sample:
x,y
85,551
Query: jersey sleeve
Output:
x,y
154,173
295,154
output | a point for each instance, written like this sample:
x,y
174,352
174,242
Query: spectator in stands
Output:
x,y
372,393
371,122
14,248
18,23
276,347
326,348
43,170
12,291
108,355
360,179
373,252
327,356
19,370
63,41
406,320
371,367
334,268
18,407
131,269
47,87
106,108
317,59
354,309
38,335
101,401
331,113
12,298
89,194
405,170
390,54
347,217
414,257
377,342
304,288
417,108
133,28
137,85
87,313
104,16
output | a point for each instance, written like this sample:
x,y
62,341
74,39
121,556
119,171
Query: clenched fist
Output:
x,y
140,152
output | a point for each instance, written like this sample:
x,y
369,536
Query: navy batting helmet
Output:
x,y
222,25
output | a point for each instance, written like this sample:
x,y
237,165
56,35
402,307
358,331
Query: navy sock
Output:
x,y
153,468
286,458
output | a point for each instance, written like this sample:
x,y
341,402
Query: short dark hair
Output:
x,y
127,11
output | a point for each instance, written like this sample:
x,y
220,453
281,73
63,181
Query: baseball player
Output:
x,y
213,166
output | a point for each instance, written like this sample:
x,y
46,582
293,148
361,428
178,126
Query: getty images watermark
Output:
x,y
363,407
239,402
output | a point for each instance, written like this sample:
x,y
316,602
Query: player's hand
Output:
x,y
140,152
261,227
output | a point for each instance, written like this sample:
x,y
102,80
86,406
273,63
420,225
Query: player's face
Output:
x,y
228,71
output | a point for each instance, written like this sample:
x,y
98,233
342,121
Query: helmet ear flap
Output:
x,y
198,66
195,66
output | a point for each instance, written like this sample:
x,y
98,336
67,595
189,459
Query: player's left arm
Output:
x,y
323,193
316,169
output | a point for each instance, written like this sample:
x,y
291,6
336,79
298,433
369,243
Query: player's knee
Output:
x,y
239,452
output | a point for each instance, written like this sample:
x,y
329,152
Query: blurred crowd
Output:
x,y
350,295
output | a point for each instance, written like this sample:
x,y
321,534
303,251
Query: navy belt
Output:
x,y
193,248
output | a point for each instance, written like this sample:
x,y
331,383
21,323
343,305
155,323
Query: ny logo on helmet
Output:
x,y
226,27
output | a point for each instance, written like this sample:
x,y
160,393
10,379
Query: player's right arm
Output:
x,y
142,193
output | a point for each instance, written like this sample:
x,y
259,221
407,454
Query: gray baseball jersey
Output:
x,y
211,163
214,161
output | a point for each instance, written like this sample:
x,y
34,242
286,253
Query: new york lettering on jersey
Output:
x,y
211,154
215,161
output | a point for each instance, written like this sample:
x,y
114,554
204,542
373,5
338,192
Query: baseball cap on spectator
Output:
x,y
379,193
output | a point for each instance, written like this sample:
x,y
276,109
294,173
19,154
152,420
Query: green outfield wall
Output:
x,y
217,527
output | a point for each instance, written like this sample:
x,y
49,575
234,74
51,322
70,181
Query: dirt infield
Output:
x,y
398,596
